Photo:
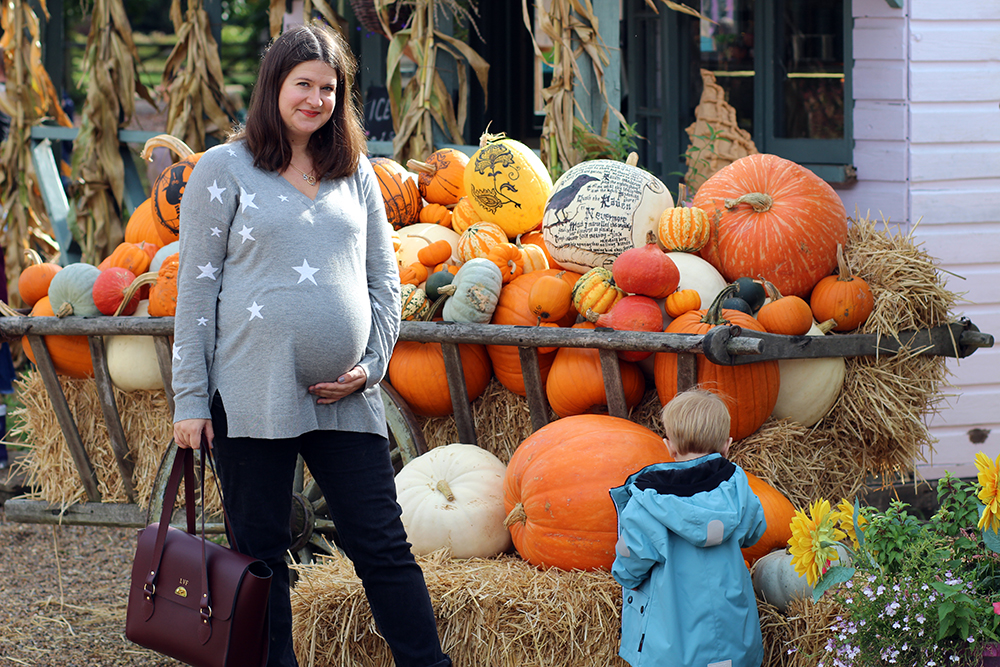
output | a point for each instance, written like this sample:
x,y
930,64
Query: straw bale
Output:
x,y
51,473
798,637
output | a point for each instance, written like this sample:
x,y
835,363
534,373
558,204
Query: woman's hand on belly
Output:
x,y
348,383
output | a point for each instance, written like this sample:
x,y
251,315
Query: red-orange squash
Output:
x,y
772,218
399,192
70,354
417,372
556,488
778,511
750,390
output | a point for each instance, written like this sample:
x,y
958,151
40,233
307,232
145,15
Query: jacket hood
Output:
x,y
698,500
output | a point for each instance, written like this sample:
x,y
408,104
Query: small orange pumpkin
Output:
x,y
788,315
33,283
131,257
844,297
682,301
550,298
508,259
478,239
167,191
414,274
441,178
399,192
435,214
435,253
463,215
778,512
163,293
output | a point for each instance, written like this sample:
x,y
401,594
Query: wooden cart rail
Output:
x,y
722,345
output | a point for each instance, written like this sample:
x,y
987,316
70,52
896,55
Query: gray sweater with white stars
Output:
x,y
277,292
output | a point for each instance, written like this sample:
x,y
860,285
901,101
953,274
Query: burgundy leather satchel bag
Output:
x,y
190,598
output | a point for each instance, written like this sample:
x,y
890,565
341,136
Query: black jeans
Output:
x,y
356,476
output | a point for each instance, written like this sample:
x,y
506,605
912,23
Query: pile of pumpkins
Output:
x,y
760,246
138,278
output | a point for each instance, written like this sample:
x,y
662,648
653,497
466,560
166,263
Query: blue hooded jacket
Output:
x,y
687,596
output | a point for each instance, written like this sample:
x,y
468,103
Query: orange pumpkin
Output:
x,y
844,297
774,218
512,308
441,178
750,391
556,488
130,256
550,298
463,215
478,239
508,259
167,191
778,512
417,372
399,192
682,301
575,384
33,283
163,293
435,214
788,315
435,253
142,225
70,354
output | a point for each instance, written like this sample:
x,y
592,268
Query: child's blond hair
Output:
x,y
696,422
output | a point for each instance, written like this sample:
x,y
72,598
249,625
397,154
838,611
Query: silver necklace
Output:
x,y
308,178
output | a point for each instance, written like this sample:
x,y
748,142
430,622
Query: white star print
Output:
x,y
282,197
216,191
246,200
245,233
216,232
202,322
306,272
357,239
231,152
255,311
176,350
376,305
208,271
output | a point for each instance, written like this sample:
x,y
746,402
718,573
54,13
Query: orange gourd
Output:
x,y
399,192
787,315
512,308
435,253
684,229
550,298
535,237
414,274
167,191
417,372
142,225
844,297
750,390
70,354
131,257
778,512
441,178
478,239
508,258
774,218
33,283
682,301
435,214
575,384
463,215
163,293
556,488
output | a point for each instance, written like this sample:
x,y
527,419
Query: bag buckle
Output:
x,y
149,589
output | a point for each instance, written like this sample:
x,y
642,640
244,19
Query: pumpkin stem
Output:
x,y
486,138
827,326
32,256
65,310
713,315
516,515
771,290
165,141
421,167
843,269
147,278
445,490
632,159
760,201
7,311
651,237
438,302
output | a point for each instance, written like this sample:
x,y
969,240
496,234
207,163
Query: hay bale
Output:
x,y
798,637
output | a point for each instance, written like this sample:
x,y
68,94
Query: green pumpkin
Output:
x,y
474,292
436,281
73,293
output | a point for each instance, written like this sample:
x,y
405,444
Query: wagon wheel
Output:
x,y
313,531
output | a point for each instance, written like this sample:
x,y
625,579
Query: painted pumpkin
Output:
x,y
417,372
441,178
598,210
556,488
507,184
772,218
167,191
452,497
399,192
70,354
750,391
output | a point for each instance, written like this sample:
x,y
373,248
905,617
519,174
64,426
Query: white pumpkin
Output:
x,y
161,255
412,238
132,359
809,387
776,582
599,209
699,275
452,497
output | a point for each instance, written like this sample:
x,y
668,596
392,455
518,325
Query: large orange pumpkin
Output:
x,y
772,218
778,511
417,372
142,225
70,354
556,488
441,178
750,391
167,191
575,384
399,192
512,308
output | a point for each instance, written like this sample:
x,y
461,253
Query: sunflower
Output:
x,y
989,495
846,512
813,540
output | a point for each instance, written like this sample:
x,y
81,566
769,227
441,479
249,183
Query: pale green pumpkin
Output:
x,y
474,292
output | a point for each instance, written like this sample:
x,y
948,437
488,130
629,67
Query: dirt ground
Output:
x,y
63,596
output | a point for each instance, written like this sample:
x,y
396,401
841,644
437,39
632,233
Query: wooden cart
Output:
x,y
312,527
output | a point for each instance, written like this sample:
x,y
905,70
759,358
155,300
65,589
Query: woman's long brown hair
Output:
x,y
335,147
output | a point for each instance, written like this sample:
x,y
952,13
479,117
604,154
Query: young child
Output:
x,y
688,600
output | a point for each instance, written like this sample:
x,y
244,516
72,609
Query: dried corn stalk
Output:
x,y
193,79
30,97
111,81
276,14
425,99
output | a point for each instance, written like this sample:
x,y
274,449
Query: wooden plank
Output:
x,y
884,80
534,388
459,394
112,418
687,372
880,121
164,359
885,158
969,10
974,405
120,515
958,41
66,422
613,390
949,242
968,123
936,206
879,40
951,162
954,82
